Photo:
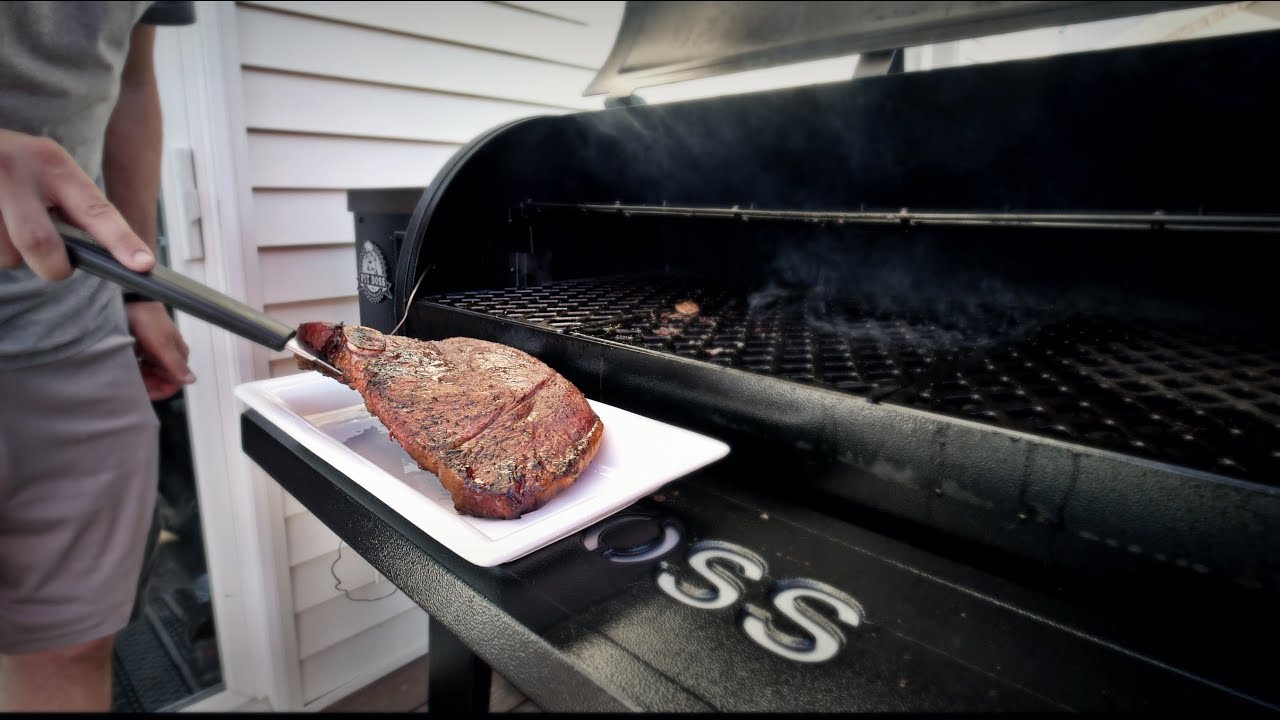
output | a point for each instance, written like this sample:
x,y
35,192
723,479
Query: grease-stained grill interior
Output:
x,y
1177,394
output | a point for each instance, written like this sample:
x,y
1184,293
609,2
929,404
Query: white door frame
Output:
x,y
207,203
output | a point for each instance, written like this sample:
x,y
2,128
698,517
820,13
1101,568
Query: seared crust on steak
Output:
x,y
502,431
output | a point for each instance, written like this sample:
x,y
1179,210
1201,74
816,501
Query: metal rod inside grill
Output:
x,y
1110,221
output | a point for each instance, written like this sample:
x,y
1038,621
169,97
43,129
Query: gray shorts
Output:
x,y
79,452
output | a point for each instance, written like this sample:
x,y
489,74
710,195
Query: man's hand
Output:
x,y
37,174
162,354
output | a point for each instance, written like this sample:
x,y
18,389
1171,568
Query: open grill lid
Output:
x,y
663,42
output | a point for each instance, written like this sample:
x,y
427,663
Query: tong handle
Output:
x,y
177,291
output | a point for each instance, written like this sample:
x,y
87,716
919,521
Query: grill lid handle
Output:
x,y
176,290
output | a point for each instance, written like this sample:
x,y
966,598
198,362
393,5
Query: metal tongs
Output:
x,y
187,295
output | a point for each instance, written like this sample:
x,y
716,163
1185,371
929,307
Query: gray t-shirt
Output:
x,y
60,65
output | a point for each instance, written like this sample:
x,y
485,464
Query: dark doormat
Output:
x,y
144,678
168,653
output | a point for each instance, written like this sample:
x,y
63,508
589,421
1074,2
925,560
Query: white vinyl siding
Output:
x,y
533,35
349,95
302,217
301,103
295,160
312,46
583,13
314,582
328,676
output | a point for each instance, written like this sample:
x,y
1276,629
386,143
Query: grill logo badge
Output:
x,y
372,275
722,585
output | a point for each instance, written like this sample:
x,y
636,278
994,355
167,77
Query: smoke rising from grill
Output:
x,y
857,289
883,147
953,293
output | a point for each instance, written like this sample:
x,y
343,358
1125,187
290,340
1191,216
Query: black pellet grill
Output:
x,y
995,348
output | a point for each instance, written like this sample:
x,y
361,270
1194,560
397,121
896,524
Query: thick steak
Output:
x,y
502,431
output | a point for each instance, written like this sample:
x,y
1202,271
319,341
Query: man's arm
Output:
x,y
131,171
131,156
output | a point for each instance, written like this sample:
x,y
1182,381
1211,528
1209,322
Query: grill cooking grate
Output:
x,y
769,332
1169,394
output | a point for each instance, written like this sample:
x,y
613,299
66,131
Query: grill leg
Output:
x,y
457,680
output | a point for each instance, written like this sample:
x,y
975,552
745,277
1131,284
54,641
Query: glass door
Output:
x,y
168,655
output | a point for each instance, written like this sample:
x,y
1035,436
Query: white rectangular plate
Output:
x,y
637,456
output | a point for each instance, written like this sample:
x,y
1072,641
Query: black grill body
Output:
x,y
994,348
1028,305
